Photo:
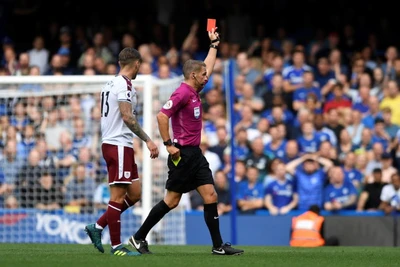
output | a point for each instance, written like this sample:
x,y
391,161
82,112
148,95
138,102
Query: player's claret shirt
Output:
x,y
113,128
185,110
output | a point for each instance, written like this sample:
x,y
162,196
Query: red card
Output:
x,y
210,24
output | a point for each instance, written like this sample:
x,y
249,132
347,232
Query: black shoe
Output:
x,y
140,245
227,249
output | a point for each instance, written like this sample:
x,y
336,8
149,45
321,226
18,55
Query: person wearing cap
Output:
x,y
309,178
65,57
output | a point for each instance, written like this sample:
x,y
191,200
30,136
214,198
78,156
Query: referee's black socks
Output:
x,y
155,215
212,220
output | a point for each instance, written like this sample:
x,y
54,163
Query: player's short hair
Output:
x,y
192,65
129,55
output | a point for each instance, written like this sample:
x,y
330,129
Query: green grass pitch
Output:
x,y
57,255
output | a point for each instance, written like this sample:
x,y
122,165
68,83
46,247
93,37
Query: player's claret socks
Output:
x,y
123,251
95,236
140,245
226,249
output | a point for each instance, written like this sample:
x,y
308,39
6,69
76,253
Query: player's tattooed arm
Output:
x,y
130,120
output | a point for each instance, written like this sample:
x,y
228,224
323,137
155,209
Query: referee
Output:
x,y
188,168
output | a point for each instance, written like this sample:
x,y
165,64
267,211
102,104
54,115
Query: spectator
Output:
x,y
338,101
345,145
309,141
52,129
373,113
300,95
11,202
379,135
375,158
212,157
293,74
80,137
325,76
355,127
333,122
351,173
277,145
27,142
66,156
369,199
309,179
389,127
19,118
390,200
276,90
325,133
222,143
79,189
328,151
250,195
46,195
224,195
244,67
339,193
101,196
292,151
258,158
29,174
39,55
366,141
249,98
11,166
23,68
392,101
387,167
361,102
280,195
276,68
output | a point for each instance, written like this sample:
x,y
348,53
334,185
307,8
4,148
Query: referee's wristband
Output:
x,y
214,46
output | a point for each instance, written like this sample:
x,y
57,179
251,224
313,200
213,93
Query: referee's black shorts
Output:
x,y
191,172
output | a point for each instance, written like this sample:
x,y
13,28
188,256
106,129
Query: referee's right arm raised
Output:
x,y
212,52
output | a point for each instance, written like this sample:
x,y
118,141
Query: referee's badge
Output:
x,y
196,111
168,104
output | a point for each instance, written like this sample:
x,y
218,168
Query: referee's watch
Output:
x,y
168,142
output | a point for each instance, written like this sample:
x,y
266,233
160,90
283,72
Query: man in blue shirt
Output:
x,y
300,95
339,194
280,195
309,140
293,74
250,192
309,178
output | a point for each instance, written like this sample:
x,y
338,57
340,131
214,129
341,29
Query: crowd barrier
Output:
x,y
352,228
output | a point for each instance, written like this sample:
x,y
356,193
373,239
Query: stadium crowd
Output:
x,y
316,122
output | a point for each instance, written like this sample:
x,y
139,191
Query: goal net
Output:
x,y
53,178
